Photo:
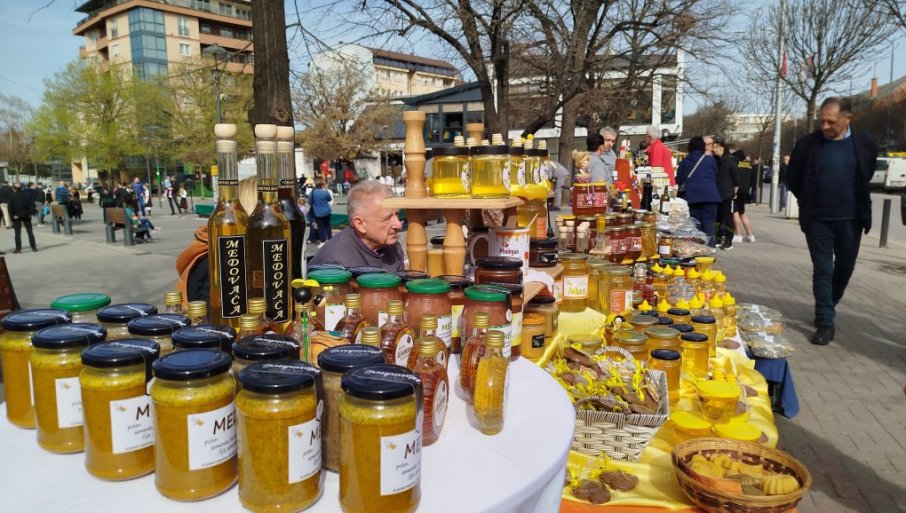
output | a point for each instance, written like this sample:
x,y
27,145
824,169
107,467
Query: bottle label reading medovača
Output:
x,y
276,278
620,301
403,350
212,437
304,450
131,424
333,314
575,287
440,404
69,402
401,461
233,290
445,329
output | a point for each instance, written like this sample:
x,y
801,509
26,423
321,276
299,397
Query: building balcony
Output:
x,y
98,10
226,42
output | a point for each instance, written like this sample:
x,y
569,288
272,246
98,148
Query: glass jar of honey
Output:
x,y
543,252
15,350
679,315
55,367
116,318
615,291
632,341
633,242
158,328
334,284
586,342
641,323
695,355
490,166
596,273
649,241
119,428
205,336
590,198
431,296
258,348
498,270
194,424
665,246
457,294
546,306
359,271
450,176
670,362
83,306
517,167
662,337
407,276
707,325
618,244
534,341
380,440
334,362
529,215
377,290
575,282
279,434
494,302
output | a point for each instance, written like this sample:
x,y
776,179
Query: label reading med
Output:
x,y
69,402
445,329
304,450
401,462
212,437
131,424
575,287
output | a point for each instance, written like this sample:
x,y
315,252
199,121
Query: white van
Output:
x,y
890,173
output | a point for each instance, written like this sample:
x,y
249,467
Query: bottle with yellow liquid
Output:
x,y
488,407
269,235
729,315
490,165
227,226
451,176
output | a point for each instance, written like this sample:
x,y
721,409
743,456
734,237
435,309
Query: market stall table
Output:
x,y
520,470
776,371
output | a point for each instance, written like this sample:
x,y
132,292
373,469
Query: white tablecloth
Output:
x,y
519,471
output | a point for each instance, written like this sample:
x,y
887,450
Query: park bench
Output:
x,y
60,216
116,219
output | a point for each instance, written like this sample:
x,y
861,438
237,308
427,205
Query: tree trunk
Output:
x,y
491,121
502,78
810,114
568,133
271,82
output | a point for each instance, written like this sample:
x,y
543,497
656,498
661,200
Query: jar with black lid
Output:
x,y
205,336
159,328
498,270
256,348
543,252
116,318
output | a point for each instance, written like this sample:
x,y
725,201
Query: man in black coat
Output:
x,y
6,195
21,208
829,172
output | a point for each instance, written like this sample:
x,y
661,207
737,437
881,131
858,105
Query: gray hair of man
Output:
x,y
608,131
845,106
653,131
362,190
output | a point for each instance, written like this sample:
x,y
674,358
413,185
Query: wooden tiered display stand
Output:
x,y
419,207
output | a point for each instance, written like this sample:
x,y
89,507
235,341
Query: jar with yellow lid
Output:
x,y
586,342
718,399
704,263
380,440
55,366
632,341
615,290
334,285
82,306
15,351
663,307
116,318
119,427
716,309
158,328
720,284
279,435
696,306
194,424
670,362
662,337
450,171
707,325
695,355
334,362
491,172
534,341
689,426
742,431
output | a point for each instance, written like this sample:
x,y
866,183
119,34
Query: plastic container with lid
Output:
x,y
15,350
688,426
490,166
516,304
119,427
498,270
457,296
742,431
279,436
695,355
116,318
496,303
194,424
670,362
82,306
376,290
632,341
450,173
615,290
334,362
158,328
205,336
431,296
55,366
662,337
707,325
575,282
380,440
258,348
546,306
718,399
334,284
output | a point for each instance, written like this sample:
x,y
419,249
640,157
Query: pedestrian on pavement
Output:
x,y
121,195
659,154
728,184
139,192
183,201
168,193
75,205
697,179
47,196
784,165
6,195
829,173
740,219
320,201
146,195
22,207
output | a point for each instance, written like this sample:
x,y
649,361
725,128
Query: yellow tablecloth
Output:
x,y
658,486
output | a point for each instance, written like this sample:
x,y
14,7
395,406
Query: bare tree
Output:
x,y
893,8
827,42
16,143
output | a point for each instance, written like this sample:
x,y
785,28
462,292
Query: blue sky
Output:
x,y
33,50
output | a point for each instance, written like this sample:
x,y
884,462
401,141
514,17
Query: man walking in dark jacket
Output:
x,y
21,208
829,172
727,184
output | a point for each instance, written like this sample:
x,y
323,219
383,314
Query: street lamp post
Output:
x,y
217,52
775,156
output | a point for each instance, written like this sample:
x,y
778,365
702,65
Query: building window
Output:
x,y
183,23
226,9
185,49
92,37
114,30
147,39
204,5
225,32
205,28
115,51
243,13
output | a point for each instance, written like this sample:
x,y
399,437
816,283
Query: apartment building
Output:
x,y
399,74
149,35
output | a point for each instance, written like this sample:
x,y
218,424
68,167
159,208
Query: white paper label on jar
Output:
x,y
620,301
465,177
403,350
440,404
401,461
506,175
445,329
520,174
507,330
304,450
558,291
212,437
663,250
332,315
516,326
131,424
457,319
441,358
382,317
69,402
575,287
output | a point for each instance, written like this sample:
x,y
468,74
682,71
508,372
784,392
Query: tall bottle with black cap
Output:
x,y
269,236
286,194
227,226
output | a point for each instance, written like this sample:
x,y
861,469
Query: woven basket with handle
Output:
x,y
621,436
715,500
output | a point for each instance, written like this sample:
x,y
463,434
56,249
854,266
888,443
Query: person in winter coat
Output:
x,y
740,219
21,208
728,182
320,200
697,177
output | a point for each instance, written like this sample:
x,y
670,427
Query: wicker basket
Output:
x,y
619,435
721,501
